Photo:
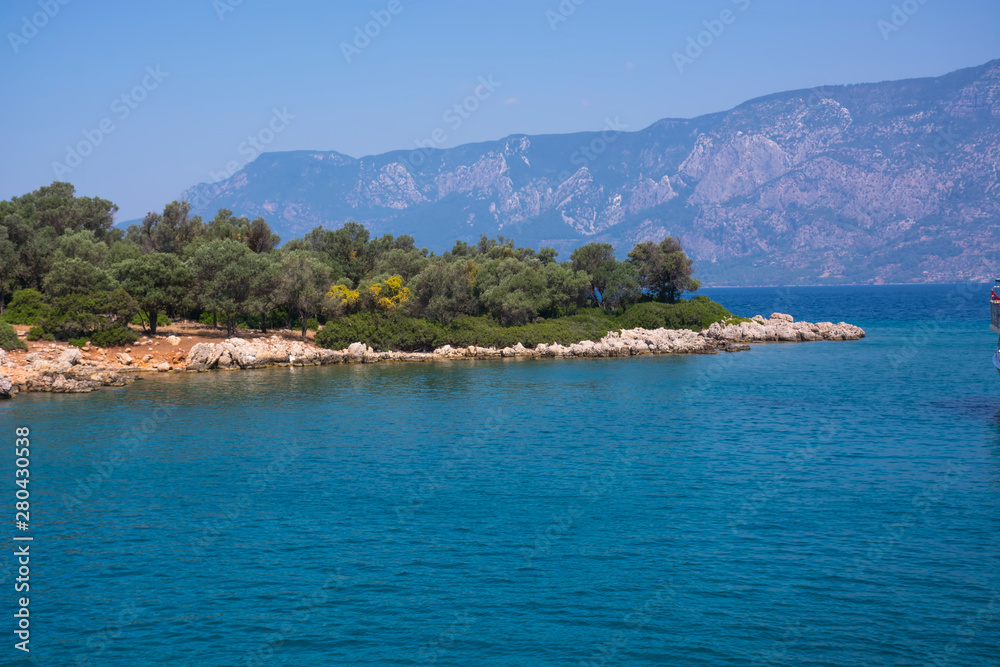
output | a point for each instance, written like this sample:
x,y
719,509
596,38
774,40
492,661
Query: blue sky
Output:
x,y
165,95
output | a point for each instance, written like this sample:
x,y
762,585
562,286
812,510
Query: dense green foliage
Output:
x,y
114,336
71,273
26,307
695,314
9,339
395,331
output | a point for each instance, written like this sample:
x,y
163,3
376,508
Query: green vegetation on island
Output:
x,y
67,272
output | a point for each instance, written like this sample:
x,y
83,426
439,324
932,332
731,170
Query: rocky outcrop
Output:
x,y
75,382
782,328
238,353
7,389
61,370
67,370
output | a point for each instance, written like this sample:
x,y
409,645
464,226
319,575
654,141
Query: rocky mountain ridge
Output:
x,y
883,182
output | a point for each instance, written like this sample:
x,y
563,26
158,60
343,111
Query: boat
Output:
x,y
995,320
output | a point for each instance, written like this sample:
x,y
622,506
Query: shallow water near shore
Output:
x,y
828,503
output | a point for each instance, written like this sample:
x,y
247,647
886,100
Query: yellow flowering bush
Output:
x,y
389,294
339,299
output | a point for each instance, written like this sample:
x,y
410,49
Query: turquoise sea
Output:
x,y
831,503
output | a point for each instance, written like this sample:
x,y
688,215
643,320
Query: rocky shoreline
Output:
x,y
72,370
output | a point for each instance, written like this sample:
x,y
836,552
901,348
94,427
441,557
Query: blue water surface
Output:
x,y
829,503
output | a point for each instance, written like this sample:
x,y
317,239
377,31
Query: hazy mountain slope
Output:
x,y
894,181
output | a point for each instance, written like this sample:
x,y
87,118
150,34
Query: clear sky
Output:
x,y
199,77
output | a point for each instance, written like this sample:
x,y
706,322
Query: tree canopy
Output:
x,y
69,269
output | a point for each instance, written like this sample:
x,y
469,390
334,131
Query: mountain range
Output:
x,y
867,183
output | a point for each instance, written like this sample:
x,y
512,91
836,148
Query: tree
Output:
x,y
75,276
510,290
597,260
55,206
265,286
260,238
170,231
157,281
8,260
567,288
223,226
621,286
348,249
547,255
224,275
663,269
442,291
405,263
122,250
34,244
304,283
82,244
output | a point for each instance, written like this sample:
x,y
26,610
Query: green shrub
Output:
x,y
9,339
695,314
384,331
313,324
114,337
588,324
394,331
79,342
37,333
27,306
81,315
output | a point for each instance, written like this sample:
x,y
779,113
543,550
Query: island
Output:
x,y
84,304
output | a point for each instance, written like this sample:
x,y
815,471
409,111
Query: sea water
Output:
x,y
827,503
